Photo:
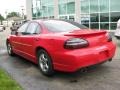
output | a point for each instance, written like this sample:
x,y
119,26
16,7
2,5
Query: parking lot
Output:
x,y
27,74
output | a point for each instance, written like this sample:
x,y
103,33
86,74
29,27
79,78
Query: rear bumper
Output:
x,y
73,60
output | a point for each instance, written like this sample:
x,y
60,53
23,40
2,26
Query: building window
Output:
x,y
66,7
100,14
104,17
62,8
43,9
70,7
95,14
115,16
94,17
94,6
84,6
114,5
85,19
104,5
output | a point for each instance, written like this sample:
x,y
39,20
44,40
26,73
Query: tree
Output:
x,y
1,18
13,14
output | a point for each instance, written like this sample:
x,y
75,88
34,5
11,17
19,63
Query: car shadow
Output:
x,y
32,69
84,73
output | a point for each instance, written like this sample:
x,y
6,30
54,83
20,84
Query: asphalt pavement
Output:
x,y
27,74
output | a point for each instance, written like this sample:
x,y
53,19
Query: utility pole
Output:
x,y
22,9
6,17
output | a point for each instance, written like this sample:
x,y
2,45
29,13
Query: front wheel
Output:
x,y
45,63
9,49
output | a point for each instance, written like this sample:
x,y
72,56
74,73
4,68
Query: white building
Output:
x,y
95,14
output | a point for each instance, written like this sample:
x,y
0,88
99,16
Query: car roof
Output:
x,y
42,20
72,22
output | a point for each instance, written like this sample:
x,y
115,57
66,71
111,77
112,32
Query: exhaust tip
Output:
x,y
110,60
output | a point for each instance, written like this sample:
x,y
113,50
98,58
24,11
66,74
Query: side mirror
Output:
x,y
16,33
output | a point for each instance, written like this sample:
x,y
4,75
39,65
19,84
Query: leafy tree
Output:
x,y
13,14
1,18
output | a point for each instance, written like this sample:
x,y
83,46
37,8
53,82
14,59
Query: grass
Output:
x,y
7,83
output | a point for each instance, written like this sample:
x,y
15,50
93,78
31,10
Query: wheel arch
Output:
x,y
52,66
39,48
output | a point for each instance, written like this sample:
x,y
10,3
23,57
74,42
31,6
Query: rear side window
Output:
x,y
33,28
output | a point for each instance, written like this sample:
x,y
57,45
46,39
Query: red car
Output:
x,y
60,45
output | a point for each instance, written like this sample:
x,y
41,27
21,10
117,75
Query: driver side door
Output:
x,y
29,39
16,38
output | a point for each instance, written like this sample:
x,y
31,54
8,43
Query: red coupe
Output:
x,y
60,45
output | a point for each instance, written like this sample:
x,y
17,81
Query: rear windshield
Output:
x,y
62,26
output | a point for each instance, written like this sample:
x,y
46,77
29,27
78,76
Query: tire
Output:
x,y
9,49
118,37
45,63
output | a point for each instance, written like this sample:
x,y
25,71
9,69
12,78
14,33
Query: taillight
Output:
x,y
109,37
75,43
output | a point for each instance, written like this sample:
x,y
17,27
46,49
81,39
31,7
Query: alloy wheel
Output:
x,y
9,49
43,62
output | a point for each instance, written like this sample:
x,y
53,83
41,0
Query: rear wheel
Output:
x,y
9,49
45,63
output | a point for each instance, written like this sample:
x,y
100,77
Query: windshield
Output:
x,y
62,26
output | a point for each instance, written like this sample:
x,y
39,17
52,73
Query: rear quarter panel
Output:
x,y
51,44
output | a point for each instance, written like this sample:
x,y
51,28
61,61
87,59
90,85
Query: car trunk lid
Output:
x,y
94,37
